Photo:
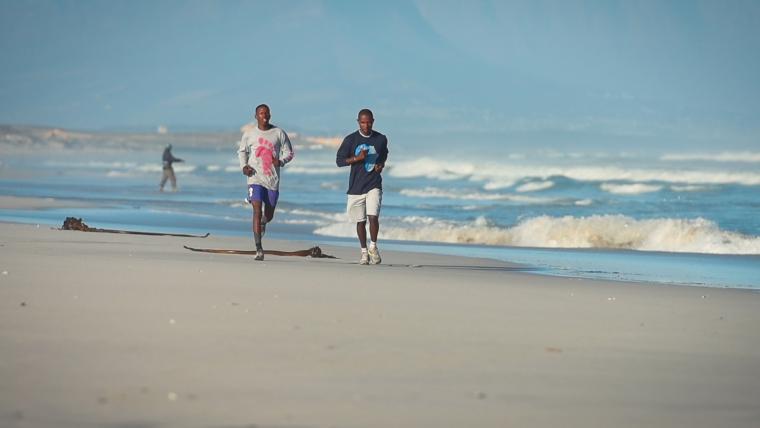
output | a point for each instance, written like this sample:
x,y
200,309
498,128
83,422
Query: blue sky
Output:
x,y
642,73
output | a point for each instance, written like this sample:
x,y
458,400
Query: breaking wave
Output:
x,y
752,157
433,192
630,189
122,169
535,186
501,175
689,188
599,231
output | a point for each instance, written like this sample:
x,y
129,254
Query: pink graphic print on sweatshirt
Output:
x,y
265,152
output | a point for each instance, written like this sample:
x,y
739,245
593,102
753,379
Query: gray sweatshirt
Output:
x,y
258,148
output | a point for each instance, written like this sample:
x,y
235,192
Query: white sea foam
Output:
x,y
184,168
751,157
134,172
498,184
91,164
600,231
630,189
299,222
535,186
617,231
298,148
431,168
314,169
118,167
331,185
434,192
179,168
325,141
500,175
415,228
575,156
343,230
323,216
213,168
689,188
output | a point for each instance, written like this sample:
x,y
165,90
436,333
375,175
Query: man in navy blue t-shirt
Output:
x,y
365,151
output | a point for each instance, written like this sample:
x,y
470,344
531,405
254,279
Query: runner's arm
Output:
x,y
243,155
382,153
286,151
344,156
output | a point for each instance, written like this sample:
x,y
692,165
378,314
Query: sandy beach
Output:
x,y
108,330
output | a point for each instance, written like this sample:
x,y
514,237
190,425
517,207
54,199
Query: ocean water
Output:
x,y
674,218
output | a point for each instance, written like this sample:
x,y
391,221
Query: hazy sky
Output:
x,y
550,72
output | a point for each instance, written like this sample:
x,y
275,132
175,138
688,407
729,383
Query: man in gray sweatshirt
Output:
x,y
262,151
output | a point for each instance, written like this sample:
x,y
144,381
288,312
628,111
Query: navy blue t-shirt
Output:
x,y
363,177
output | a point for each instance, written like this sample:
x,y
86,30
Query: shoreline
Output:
x,y
123,330
658,268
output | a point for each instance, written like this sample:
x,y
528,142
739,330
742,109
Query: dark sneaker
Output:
x,y
259,255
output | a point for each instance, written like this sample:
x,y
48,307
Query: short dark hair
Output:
x,y
365,112
260,106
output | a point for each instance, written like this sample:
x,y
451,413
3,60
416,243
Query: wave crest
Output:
x,y
630,189
750,157
600,231
500,175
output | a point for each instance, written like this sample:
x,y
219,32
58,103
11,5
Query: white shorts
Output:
x,y
360,206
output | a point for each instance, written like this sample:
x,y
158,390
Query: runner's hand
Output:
x,y
361,156
379,168
247,170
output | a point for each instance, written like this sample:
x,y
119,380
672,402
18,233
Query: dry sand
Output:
x,y
103,330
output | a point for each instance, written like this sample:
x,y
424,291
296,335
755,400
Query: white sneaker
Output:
x,y
374,256
259,255
365,259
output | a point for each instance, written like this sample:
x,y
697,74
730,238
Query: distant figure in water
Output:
x,y
169,159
